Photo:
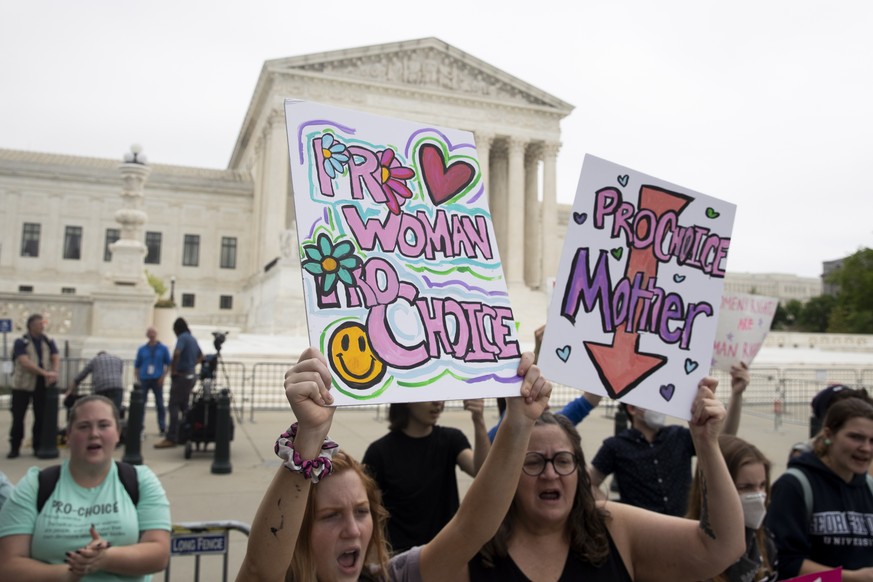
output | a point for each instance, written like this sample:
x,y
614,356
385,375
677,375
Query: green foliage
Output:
x,y
853,310
786,316
816,313
160,288
780,319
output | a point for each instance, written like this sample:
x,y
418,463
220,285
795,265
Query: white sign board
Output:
x,y
403,286
635,307
743,324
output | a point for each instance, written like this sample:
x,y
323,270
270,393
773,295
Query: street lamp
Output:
x,y
135,155
173,290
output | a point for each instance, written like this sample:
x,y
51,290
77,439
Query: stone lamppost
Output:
x,y
124,302
129,251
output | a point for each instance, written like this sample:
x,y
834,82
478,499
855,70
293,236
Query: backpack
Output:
x,y
48,479
807,489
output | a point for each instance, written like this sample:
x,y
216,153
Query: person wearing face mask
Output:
x,y
750,472
652,460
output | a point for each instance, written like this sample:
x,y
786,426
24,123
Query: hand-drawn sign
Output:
x,y
635,303
743,324
403,285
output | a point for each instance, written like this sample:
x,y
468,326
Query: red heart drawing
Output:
x,y
443,182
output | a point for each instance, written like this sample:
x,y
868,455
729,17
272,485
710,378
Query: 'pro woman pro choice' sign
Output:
x,y
635,306
403,284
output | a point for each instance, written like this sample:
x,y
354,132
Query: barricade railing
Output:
x,y
783,393
230,375
265,390
202,538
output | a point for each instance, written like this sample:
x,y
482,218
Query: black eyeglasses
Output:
x,y
563,462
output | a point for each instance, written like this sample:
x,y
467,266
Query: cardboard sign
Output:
x,y
835,575
403,285
635,306
743,323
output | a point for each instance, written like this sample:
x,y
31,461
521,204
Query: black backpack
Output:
x,y
48,479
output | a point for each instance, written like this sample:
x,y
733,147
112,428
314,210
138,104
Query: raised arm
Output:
x,y
471,461
489,496
739,383
577,409
661,547
277,522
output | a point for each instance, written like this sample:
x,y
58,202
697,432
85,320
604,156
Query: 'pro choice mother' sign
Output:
x,y
403,285
635,306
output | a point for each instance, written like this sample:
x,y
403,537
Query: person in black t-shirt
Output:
x,y
414,466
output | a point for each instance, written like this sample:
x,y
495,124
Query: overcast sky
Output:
x,y
766,104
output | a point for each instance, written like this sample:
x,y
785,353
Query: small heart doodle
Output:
x,y
617,253
667,391
580,217
443,180
678,278
623,180
563,353
712,213
690,365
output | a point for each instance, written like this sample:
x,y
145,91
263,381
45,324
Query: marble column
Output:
x,y
497,198
532,219
253,265
274,188
513,262
483,152
550,250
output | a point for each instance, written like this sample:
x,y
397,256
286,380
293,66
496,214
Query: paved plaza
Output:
x,y
196,494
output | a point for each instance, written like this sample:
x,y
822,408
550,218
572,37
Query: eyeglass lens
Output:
x,y
563,462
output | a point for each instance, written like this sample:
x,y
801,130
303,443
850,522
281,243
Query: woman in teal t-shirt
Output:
x,y
89,528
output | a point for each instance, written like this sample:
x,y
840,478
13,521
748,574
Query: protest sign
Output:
x,y
403,286
743,323
635,306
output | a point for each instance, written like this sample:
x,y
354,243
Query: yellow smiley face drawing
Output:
x,y
352,358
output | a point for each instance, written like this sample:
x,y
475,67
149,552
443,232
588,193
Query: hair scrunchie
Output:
x,y
315,469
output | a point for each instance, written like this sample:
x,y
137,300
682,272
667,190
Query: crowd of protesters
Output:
x,y
690,503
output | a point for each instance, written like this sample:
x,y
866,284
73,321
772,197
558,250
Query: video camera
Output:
x,y
210,363
218,339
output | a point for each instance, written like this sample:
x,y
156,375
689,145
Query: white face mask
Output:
x,y
655,420
754,509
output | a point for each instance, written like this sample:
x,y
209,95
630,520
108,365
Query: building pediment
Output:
x,y
428,64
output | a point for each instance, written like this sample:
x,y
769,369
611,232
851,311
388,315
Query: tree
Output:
x,y
816,313
786,316
780,318
853,310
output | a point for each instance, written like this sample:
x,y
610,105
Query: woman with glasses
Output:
x,y
322,517
556,530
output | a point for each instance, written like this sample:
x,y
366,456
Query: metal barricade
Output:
x,y
202,538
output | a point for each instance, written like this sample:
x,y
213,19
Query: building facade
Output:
x,y
79,232
226,239
779,285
